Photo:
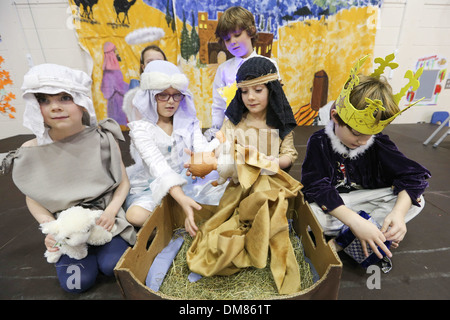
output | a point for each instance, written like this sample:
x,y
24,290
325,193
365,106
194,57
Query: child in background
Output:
x,y
169,125
236,31
351,166
149,54
59,111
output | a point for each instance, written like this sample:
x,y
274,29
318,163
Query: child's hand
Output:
x,y
369,234
50,243
107,220
394,228
189,205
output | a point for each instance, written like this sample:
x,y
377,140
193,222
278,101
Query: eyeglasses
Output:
x,y
177,97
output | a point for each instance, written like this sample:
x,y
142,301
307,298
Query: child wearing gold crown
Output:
x,y
351,168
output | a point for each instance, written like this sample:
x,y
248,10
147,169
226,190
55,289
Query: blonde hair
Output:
x,y
373,88
236,18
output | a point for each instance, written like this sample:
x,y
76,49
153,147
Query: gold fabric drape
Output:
x,y
249,224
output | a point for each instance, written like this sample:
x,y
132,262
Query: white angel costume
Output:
x,y
159,157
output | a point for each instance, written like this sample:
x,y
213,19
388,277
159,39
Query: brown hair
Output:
x,y
372,88
154,48
236,18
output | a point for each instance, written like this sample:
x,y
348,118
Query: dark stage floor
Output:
x,y
421,268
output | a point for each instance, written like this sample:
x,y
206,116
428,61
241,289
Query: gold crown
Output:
x,y
364,121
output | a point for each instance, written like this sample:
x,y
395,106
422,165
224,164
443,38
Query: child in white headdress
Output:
x,y
159,142
73,161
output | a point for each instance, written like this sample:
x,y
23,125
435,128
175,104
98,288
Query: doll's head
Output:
x,y
259,71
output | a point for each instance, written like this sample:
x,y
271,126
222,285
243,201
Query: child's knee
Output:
x,y
137,215
109,255
76,277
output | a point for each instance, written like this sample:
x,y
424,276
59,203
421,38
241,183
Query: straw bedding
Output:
x,y
250,283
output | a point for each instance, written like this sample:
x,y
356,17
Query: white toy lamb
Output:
x,y
73,230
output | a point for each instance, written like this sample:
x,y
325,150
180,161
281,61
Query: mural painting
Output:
x,y
314,42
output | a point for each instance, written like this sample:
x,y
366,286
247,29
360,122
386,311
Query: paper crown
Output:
x,y
364,121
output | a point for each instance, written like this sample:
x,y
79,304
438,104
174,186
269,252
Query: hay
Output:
x,y
250,283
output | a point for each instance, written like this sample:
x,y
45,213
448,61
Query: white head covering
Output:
x,y
158,76
52,79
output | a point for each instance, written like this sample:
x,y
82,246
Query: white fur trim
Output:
x,y
160,186
127,105
144,35
161,81
340,148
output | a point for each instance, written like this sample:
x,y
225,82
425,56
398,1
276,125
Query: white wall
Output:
x,y
42,29
416,29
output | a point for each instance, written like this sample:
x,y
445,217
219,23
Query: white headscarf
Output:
x,y
52,79
158,76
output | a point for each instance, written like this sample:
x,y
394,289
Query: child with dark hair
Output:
x,y
261,105
251,218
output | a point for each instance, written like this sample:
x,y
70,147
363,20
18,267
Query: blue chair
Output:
x,y
443,119
439,117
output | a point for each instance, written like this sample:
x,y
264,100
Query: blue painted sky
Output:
x,y
276,13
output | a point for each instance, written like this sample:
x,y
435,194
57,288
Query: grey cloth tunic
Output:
x,y
81,170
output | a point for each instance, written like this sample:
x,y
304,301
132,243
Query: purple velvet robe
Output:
x,y
326,173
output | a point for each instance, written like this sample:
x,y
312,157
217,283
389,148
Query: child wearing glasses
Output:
x,y
168,127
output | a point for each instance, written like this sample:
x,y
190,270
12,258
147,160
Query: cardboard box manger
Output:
x,y
132,269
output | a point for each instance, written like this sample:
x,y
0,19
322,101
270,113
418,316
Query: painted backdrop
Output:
x,y
315,42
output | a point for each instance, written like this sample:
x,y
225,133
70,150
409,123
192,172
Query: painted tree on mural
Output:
x,y
195,39
6,109
189,43
304,36
169,16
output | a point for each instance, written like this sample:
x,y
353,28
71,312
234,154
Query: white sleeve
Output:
x,y
219,104
200,143
143,137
